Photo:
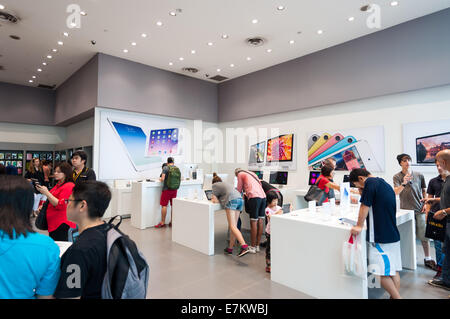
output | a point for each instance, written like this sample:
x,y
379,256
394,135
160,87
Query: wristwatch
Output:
x,y
445,213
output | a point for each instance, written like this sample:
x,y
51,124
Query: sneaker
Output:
x,y
430,264
160,225
438,273
439,283
244,251
251,250
257,249
228,251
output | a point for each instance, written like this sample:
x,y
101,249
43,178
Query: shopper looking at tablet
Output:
x,y
411,188
81,173
324,181
231,200
250,184
170,175
378,208
29,261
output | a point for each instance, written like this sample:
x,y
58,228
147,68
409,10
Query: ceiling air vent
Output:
x,y
190,70
5,16
255,42
218,78
43,86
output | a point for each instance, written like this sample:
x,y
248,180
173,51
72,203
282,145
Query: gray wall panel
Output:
x,y
24,104
410,56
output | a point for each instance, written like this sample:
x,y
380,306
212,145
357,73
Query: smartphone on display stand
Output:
x,y
348,140
357,155
332,141
322,140
133,140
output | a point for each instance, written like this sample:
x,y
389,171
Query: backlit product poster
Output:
x,y
280,149
354,148
423,140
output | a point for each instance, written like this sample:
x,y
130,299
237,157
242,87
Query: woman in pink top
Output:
x,y
255,204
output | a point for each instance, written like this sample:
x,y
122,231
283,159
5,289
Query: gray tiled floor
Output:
x,y
179,272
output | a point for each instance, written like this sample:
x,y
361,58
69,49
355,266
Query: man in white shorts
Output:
x,y
378,207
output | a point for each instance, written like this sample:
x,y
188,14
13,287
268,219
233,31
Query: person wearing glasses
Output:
x,y
58,225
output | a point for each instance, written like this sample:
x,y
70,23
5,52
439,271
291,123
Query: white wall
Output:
x,y
78,134
390,111
31,134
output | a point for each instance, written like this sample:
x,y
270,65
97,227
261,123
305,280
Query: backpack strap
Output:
x,y
251,176
110,222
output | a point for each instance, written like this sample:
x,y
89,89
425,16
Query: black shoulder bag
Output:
x,y
41,219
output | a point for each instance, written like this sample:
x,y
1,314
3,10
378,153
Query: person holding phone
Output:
x,y
58,225
411,188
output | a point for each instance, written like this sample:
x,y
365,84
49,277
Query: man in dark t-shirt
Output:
x,y
81,173
378,206
83,265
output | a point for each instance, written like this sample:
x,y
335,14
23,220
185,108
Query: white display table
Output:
x,y
306,252
145,198
196,222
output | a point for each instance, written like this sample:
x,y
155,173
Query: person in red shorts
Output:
x,y
167,194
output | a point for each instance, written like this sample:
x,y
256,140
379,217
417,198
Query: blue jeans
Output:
x,y
446,264
439,254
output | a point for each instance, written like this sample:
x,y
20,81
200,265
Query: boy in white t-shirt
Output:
x,y
271,209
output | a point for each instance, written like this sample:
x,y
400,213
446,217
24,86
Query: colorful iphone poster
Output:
x,y
350,148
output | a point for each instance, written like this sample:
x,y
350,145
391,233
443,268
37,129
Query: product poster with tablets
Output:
x,y
275,151
351,148
134,146
423,140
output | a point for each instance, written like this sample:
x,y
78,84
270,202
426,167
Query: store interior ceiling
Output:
x,y
207,35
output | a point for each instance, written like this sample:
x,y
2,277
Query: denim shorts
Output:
x,y
235,204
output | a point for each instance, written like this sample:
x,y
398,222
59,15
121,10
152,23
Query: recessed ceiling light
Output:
x,y
2,7
159,23
249,58
66,34
394,3
210,44
319,31
192,51
291,42
172,13
39,70
181,59
351,19
60,43
31,81
125,50
144,35
231,65
34,76
133,43
218,70
254,21
170,63
269,50
54,50
44,63
280,8
83,13
49,57
225,36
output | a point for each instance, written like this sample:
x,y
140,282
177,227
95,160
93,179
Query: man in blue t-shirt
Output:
x,y
378,207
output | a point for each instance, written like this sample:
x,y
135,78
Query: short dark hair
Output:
x,y
326,170
16,205
97,196
82,155
402,156
170,160
270,196
66,168
357,172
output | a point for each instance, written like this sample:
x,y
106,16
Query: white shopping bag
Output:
x,y
353,258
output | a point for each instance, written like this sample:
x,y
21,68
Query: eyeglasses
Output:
x,y
72,200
